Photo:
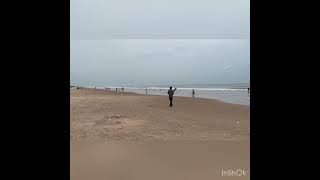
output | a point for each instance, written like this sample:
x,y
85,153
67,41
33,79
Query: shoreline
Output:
x,y
141,94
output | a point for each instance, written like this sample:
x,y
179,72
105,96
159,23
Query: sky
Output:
x,y
141,42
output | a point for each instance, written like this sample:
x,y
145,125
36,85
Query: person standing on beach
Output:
x,y
146,91
170,93
193,92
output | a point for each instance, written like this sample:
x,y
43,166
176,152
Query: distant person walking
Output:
x,y
193,93
171,93
146,91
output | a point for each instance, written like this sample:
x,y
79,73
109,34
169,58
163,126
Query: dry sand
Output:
x,y
129,136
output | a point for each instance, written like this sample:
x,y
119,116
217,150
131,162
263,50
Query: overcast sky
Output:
x,y
119,42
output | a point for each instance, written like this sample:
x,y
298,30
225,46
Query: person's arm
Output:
x,y
175,89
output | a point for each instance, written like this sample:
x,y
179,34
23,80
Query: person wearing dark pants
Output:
x,y
171,93
170,99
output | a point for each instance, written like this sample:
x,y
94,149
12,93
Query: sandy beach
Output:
x,y
117,135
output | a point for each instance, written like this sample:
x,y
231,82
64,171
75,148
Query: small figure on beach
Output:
x,y
193,93
122,89
146,91
248,90
116,89
171,93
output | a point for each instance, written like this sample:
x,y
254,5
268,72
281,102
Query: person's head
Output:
x,y
170,87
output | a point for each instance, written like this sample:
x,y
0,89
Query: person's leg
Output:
x,y
170,98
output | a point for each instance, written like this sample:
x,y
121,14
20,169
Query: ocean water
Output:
x,y
230,93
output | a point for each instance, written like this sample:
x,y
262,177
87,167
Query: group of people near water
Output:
x,y
118,89
170,93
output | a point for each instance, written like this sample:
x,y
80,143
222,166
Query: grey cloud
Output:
x,y
108,19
